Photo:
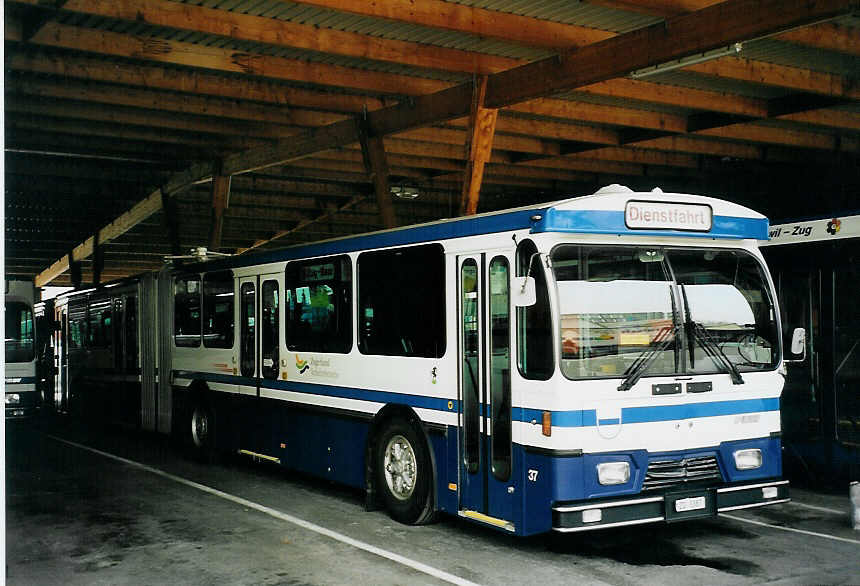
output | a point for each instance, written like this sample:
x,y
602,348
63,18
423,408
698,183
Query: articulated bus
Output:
x,y
602,361
816,269
22,399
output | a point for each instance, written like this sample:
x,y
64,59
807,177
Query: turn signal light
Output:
x,y
546,426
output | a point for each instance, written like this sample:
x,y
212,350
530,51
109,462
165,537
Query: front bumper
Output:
x,y
668,507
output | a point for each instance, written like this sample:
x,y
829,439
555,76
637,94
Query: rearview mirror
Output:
x,y
524,292
798,345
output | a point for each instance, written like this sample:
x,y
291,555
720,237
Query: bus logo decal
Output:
x,y
301,365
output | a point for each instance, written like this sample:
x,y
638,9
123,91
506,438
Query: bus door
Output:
x,y
249,385
259,353
487,487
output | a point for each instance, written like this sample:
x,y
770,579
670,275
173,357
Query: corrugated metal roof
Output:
x,y
382,28
570,12
794,55
685,79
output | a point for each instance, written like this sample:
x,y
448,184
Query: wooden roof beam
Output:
x,y
226,60
282,33
186,81
730,21
159,77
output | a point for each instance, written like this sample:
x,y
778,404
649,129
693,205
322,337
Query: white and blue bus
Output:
x,y
602,361
22,398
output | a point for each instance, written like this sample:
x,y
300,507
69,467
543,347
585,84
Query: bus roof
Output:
x,y
614,209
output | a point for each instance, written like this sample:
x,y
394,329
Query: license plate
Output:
x,y
693,503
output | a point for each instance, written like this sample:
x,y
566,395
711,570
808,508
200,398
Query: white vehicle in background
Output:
x,y
22,399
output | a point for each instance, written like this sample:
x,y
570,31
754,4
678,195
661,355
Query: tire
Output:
x,y
201,431
404,473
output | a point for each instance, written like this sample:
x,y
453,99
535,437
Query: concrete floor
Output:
x,y
75,516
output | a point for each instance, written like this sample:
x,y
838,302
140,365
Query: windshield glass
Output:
x,y
729,305
20,345
669,311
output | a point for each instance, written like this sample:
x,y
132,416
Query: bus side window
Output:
x,y
269,320
500,365
319,315
186,311
247,329
218,318
534,323
401,301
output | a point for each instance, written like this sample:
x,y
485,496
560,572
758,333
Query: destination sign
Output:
x,y
650,215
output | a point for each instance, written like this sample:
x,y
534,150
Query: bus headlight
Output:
x,y
13,398
609,473
748,459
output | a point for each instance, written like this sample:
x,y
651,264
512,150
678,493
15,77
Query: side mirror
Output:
x,y
798,345
524,292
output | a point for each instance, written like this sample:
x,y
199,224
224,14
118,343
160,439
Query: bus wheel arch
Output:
x,y
398,437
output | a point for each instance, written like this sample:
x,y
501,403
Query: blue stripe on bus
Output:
x,y
612,222
588,417
576,418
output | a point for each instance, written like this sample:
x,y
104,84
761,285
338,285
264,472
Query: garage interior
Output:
x,y
140,129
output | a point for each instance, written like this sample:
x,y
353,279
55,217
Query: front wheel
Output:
x,y
404,474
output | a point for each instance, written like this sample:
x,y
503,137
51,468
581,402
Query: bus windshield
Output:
x,y
630,311
20,343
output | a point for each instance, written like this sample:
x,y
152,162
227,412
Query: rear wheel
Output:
x,y
201,428
404,473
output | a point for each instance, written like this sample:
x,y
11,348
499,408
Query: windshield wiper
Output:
x,y
635,371
697,331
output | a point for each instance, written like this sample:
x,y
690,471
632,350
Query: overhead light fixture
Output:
x,y
729,51
404,191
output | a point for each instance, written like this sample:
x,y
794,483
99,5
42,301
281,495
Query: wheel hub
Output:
x,y
199,427
401,467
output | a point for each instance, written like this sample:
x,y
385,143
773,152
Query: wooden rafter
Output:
x,y
283,33
716,26
225,60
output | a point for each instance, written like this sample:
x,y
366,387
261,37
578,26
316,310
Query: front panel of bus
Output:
x,y
663,395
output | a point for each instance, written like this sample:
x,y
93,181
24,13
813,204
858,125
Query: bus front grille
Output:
x,y
668,473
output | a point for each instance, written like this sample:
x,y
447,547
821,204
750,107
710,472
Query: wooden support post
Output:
x,y
482,127
220,202
171,222
98,260
74,270
376,163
